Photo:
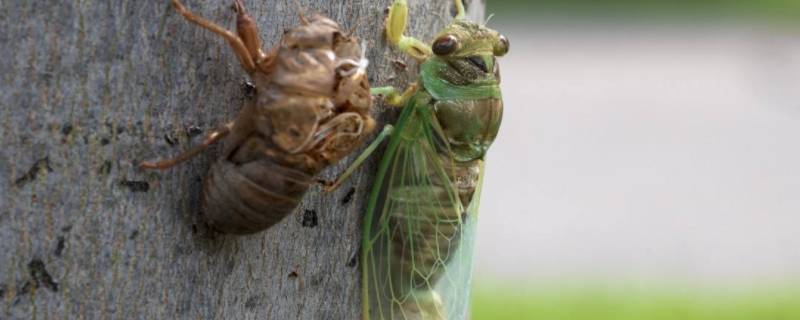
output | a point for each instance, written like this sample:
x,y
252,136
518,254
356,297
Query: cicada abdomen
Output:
x,y
311,109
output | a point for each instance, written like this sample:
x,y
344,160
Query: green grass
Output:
x,y
664,303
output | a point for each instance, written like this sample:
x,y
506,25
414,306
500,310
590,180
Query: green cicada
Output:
x,y
419,226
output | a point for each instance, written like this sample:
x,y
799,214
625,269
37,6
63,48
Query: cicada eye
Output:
x,y
501,48
445,45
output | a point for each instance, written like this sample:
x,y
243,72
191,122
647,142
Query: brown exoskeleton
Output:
x,y
311,109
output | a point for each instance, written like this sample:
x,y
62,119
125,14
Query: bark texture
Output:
x,y
88,89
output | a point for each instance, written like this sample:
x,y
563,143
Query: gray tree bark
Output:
x,y
88,89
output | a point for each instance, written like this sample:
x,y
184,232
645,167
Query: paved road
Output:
x,y
646,153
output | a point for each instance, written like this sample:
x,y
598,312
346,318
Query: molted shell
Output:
x,y
311,110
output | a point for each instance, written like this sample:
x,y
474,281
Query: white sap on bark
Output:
x,y
88,89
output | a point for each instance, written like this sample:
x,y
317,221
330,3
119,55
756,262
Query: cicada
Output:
x,y
311,108
418,233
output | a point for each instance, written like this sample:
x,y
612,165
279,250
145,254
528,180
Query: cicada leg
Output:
x,y
242,52
460,12
391,95
248,32
211,139
385,133
396,26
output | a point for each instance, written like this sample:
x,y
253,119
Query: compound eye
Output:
x,y
501,48
445,45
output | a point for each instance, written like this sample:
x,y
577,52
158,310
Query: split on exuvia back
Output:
x,y
311,109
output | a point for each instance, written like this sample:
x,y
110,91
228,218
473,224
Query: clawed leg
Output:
x,y
211,139
396,26
248,32
242,51
391,95
330,186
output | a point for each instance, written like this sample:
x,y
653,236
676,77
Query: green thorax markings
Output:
x,y
431,73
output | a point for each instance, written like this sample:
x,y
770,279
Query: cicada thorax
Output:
x,y
311,109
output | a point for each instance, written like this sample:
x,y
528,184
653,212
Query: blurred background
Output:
x,y
647,167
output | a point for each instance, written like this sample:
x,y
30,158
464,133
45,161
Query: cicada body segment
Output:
x,y
311,108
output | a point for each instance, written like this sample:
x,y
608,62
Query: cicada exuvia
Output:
x,y
419,227
311,108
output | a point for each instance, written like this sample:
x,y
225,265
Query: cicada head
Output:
x,y
469,50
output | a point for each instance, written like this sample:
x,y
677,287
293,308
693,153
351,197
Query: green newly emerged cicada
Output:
x,y
419,227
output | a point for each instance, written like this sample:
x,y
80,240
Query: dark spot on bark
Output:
x,y
23,290
349,196
46,77
60,244
248,90
194,229
252,302
386,11
293,274
105,168
193,131
66,228
120,130
26,288
180,250
170,139
134,234
3,290
230,266
353,262
136,186
40,275
310,219
317,280
66,129
104,141
139,127
33,172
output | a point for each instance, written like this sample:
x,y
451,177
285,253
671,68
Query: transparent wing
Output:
x,y
417,246
456,289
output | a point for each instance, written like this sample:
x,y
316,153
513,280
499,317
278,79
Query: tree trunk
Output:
x,y
88,89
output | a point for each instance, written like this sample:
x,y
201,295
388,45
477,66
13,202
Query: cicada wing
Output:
x,y
416,230
455,286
